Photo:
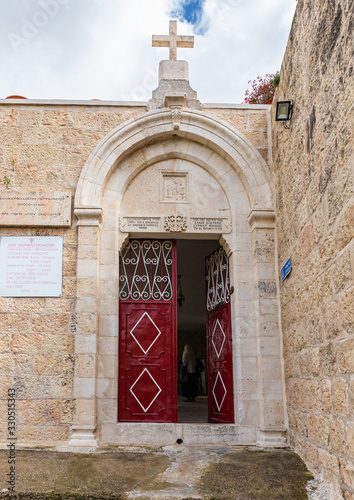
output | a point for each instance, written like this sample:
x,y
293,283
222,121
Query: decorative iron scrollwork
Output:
x,y
218,281
146,270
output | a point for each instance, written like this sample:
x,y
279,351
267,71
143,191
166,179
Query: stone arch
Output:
x,y
196,126
230,158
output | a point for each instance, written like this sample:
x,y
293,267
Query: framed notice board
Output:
x,y
31,266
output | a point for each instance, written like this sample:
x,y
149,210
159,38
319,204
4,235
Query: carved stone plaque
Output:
x,y
35,208
175,224
212,224
31,266
140,223
174,187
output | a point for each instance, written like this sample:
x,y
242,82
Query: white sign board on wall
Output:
x,y
31,266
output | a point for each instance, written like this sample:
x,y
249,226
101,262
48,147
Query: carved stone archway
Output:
x,y
229,157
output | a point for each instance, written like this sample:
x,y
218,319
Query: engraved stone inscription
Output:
x,y
141,223
31,266
204,224
176,224
35,208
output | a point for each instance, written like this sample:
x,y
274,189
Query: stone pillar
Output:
x,y
84,428
271,431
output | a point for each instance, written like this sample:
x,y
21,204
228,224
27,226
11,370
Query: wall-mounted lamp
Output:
x,y
284,112
180,297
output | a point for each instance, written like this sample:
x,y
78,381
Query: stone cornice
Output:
x,y
71,102
261,219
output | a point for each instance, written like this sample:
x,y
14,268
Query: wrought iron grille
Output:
x,y
146,270
217,277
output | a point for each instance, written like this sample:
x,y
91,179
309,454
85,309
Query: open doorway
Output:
x,y
151,341
191,323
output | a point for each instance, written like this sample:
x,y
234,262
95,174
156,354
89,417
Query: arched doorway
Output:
x,y
204,181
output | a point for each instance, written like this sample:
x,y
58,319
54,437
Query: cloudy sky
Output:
x,y
101,49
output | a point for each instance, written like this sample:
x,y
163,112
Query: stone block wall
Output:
x,y
313,170
44,146
252,120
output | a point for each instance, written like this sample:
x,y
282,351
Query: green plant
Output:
x,y
275,81
7,181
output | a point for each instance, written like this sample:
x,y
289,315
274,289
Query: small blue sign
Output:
x,y
285,270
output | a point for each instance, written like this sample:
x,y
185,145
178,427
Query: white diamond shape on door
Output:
x,y
143,334
143,389
220,380
216,336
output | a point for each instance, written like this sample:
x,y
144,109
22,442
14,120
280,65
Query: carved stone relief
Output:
x,y
174,187
176,223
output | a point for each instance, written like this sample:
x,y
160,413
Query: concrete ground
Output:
x,y
171,472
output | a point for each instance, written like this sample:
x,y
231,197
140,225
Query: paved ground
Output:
x,y
172,472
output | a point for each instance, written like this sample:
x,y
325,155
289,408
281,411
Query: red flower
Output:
x,y
262,90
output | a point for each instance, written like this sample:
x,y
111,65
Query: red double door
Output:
x,y
148,379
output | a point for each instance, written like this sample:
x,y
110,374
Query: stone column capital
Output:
x,y
262,219
88,216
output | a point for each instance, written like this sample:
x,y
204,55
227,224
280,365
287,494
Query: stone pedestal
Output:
x,y
173,70
173,77
83,436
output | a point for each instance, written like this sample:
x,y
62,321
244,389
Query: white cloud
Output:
x,y
83,49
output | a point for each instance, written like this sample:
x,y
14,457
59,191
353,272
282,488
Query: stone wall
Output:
x,y
44,146
252,120
313,168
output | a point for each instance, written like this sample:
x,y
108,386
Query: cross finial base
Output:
x,y
173,70
173,78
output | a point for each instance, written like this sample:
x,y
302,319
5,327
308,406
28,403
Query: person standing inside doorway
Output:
x,y
189,385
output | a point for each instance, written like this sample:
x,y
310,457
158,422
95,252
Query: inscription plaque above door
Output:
x,y
175,223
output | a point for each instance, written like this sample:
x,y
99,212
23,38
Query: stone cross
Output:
x,y
173,41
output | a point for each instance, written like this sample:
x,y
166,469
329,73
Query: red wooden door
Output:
x,y
147,332
219,339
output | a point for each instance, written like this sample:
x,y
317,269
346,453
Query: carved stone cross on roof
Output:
x,y
173,41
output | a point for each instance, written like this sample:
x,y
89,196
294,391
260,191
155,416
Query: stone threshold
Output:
x,y
160,434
